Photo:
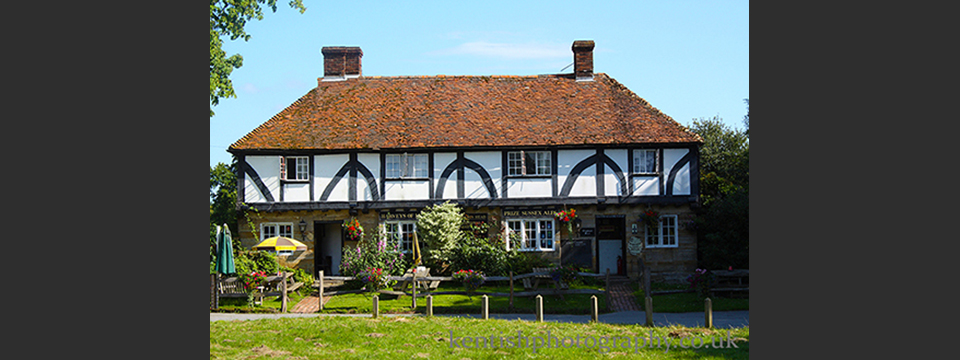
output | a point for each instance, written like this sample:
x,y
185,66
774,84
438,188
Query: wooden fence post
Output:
x,y
539,303
648,308
429,305
594,312
283,290
606,288
485,307
321,291
376,306
215,291
708,313
511,289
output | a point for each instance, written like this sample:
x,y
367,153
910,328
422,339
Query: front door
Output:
x,y
328,243
610,242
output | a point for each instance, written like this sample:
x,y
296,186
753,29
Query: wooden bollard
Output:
x,y
413,304
594,311
429,305
511,289
283,290
485,307
376,306
539,303
648,308
708,313
321,291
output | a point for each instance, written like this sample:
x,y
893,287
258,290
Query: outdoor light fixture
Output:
x,y
303,228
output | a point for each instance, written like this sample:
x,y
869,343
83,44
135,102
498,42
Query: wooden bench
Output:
x,y
232,287
423,272
731,281
536,279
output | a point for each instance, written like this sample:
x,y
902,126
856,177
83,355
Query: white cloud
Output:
x,y
508,51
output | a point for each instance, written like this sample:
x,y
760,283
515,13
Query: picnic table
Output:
x,y
422,272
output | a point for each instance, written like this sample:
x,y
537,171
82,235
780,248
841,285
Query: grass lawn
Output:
x,y
447,304
686,302
458,338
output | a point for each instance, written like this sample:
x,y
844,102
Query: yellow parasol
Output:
x,y
416,250
280,243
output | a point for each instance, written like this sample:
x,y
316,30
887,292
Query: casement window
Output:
x,y
645,161
406,165
665,235
269,230
528,163
535,234
295,168
402,232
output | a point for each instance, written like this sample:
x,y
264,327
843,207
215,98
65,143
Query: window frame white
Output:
x,y
542,163
401,232
300,170
407,166
276,232
545,231
635,168
666,235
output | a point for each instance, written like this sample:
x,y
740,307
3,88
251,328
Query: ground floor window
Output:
x,y
535,234
402,232
269,230
665,235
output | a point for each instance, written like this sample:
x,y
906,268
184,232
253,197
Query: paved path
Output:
x,y
721,319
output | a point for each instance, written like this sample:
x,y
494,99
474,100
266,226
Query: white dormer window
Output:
x,y
295,168
406,166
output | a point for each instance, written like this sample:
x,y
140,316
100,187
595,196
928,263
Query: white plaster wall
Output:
x,y
681,183
611,184
646,185
586,184
670,158
296,192
473,183
326,166
440,162
372,163
409,189
268,168
529,188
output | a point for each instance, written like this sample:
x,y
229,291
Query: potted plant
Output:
x,y
650,218
374,279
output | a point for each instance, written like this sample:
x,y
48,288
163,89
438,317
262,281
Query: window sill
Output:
x,y
529,176
287,181
661,246
536,250
407,179
645,174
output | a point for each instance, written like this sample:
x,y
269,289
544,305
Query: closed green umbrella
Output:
x,y
224,251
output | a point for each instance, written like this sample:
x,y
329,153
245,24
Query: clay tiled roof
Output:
x,y
465,111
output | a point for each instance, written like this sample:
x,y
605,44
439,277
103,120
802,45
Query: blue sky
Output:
x,y
690,59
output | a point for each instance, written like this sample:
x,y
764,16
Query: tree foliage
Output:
x,y
223,201
229,18
723,224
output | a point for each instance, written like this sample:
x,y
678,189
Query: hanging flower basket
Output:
x,y
353,229
567,217
471,279
650,218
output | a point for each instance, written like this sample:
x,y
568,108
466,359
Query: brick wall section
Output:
x,y
671,265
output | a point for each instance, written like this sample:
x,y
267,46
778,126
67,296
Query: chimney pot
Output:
x,y
583,59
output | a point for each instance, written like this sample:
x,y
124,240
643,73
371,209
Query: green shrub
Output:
x,y
247,261
438,229
374,253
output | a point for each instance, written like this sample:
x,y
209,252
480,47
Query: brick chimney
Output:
x,y
583,59
341,62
